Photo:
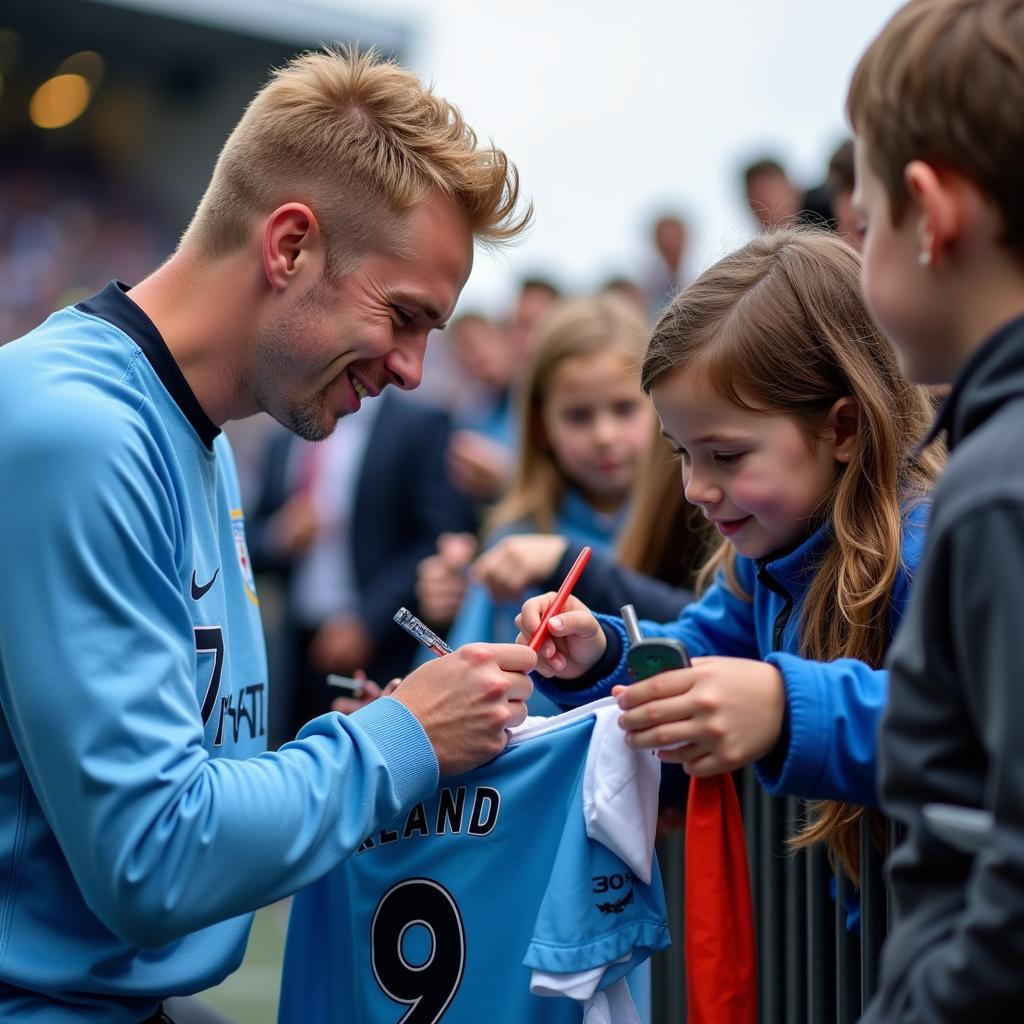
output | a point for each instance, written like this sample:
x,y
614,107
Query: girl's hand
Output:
x,y
517,562
575,639
727,711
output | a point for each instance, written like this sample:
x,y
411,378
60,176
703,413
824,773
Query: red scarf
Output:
x,y
721,957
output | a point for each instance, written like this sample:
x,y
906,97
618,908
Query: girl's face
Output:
x,y
757,476
597,424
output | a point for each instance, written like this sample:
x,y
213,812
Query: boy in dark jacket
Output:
x,y
936,105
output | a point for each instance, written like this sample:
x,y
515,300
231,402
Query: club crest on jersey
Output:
x,y
242,550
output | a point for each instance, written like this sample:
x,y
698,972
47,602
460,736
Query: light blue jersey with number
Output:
x,y
444,915
141,818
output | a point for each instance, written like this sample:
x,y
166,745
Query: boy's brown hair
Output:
x,y
944,82
360,140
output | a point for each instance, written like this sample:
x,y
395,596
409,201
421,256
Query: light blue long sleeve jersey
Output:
x,y
141,818
833,709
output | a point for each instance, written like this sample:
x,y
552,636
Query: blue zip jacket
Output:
x,y
829,746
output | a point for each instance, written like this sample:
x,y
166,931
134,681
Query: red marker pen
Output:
x,y
560,598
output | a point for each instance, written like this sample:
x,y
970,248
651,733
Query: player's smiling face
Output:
x,y
343,341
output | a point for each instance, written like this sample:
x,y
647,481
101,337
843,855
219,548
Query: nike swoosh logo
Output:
x,y
197,591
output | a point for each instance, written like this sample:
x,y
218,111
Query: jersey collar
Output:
x,y
113,305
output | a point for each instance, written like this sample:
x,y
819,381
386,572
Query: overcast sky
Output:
x,y
615,110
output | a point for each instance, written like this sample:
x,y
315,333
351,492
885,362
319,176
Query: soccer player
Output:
x,y
142,819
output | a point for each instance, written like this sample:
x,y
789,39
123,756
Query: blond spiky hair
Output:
x,y
358,139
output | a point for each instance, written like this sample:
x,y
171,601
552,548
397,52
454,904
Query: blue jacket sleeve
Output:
x,y
98,689
834,709
721,622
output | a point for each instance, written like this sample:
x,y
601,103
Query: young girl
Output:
x,y
796,433
585,429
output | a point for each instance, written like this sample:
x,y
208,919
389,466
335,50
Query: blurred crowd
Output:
x,y
64,235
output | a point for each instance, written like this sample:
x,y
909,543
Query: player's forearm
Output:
x,y
244,833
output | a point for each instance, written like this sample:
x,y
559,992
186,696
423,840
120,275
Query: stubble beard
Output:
x,y
309,418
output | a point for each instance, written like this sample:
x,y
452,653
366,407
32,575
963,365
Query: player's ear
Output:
x,y
292,245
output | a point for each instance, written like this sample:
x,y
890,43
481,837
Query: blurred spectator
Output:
x,y
626,289
341,595
840,183
479,459
775,201
536,296
670,237
486,357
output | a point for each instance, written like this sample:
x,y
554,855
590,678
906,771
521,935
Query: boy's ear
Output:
x,y
844,424
941,209
292,245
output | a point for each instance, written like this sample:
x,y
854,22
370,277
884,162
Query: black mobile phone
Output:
x,y
349,687
648,656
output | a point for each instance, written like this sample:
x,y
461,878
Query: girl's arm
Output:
x,y
829,744
810,727
721,622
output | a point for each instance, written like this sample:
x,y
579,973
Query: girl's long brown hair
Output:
x,y
572,329
780,326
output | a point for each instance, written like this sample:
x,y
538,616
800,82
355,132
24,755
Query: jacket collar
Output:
x,y
992,376
794,567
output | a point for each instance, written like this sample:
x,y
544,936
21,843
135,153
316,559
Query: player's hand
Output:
x,y
575,639
466,700
517,562
477,466
728,712
371,692
441,578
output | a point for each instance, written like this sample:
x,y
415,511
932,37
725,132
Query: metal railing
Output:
x,y
811,968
